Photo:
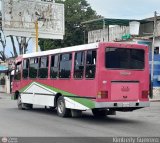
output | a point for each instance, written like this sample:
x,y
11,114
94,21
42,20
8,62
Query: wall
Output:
x,y
146,29
156,64
115,33
2,82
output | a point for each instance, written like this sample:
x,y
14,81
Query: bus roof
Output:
x,y
77,48
62,50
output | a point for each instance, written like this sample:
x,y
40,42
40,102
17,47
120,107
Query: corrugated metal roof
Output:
x,y
113,21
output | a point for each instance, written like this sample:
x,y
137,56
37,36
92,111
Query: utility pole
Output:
x,y
36,28
104,28
153,43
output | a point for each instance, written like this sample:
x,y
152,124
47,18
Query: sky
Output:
x,y
131,9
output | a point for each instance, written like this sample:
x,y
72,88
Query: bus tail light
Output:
x,y
103,94
145,94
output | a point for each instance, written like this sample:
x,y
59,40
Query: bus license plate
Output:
x,y
126,105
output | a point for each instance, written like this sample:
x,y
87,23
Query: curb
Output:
x,y
154,100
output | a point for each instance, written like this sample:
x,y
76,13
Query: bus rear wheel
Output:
x,y
62,111
99,113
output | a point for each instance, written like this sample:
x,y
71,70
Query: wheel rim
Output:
x,y
60,106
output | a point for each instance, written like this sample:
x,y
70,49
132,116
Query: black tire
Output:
x,y
99,113
76,113
62,111
29,106
52,108
19,103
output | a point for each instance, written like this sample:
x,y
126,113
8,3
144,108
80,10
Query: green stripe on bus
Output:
x,y
24,88
86,102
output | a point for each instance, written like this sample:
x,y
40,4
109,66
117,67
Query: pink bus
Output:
x,y
102,77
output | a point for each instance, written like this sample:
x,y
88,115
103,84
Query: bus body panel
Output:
x,y
122,85
124,91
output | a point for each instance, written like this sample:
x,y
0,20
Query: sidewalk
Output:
x,y
4,94
155,100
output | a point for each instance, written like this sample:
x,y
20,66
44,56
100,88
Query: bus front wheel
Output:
x,y
62,111
20,104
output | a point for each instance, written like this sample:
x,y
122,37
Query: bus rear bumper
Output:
x,y
122,104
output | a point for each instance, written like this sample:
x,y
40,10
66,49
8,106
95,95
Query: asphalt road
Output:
x,y
41,123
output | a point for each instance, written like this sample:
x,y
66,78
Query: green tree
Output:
x,y
76,11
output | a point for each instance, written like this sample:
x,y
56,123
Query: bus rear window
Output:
x,y
124,58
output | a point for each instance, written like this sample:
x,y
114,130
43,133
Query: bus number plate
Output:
x,y
126,105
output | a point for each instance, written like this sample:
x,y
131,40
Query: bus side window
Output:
x,y
43,67
91,63
54,66
25,68
79,65
33,67
18,72
65,65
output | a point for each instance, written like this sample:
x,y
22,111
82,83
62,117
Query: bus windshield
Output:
x,y
124,58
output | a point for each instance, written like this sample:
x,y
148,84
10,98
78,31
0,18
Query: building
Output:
x,y
4,78
125,30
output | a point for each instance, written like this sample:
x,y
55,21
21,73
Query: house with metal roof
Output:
x,y
120,30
